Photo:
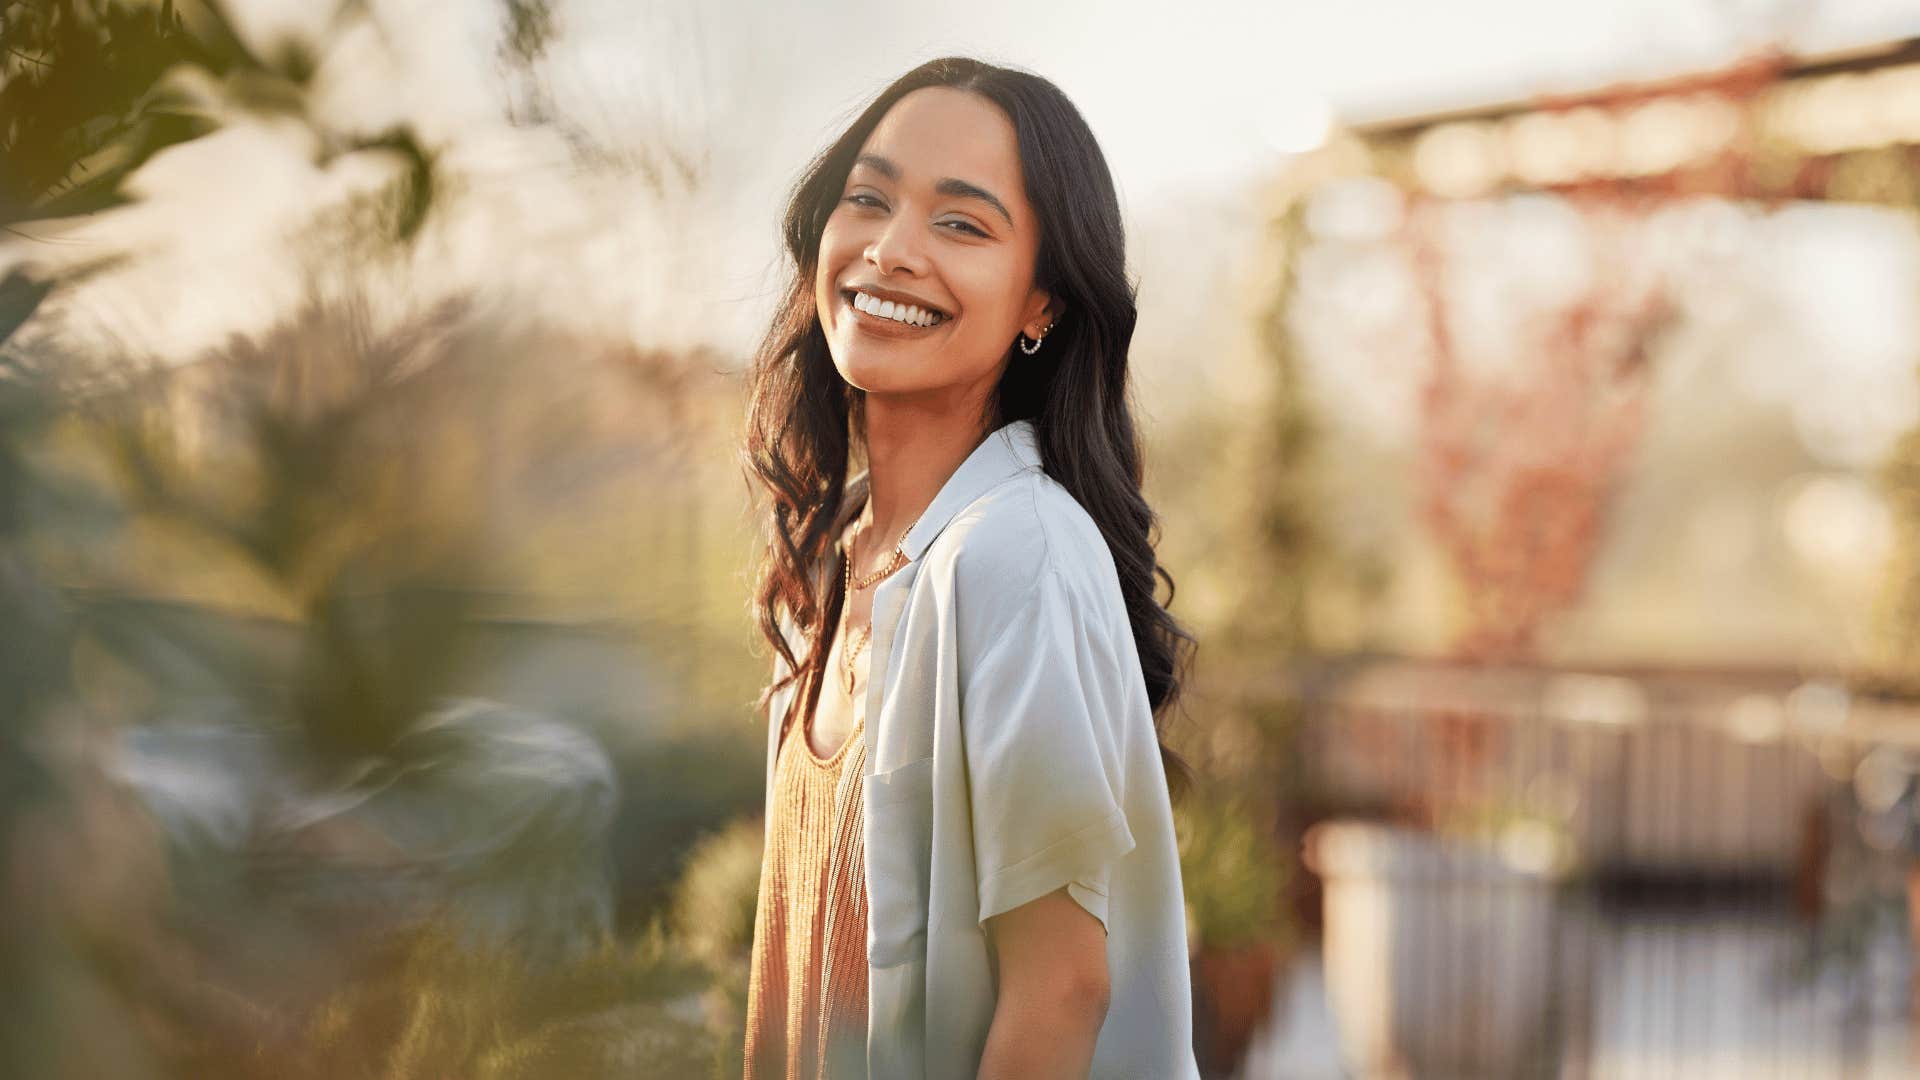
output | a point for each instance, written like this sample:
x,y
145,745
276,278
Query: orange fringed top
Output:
x,y
807,987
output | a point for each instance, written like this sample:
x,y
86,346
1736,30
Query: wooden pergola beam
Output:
x,y
1787,68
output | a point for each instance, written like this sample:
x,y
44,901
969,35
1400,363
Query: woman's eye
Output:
x,y
968,226
862,200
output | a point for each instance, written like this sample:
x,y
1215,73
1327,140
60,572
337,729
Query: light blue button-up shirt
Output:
x,y
1010,752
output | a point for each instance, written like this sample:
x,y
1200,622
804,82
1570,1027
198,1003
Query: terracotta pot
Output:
x,y
1233,990
1913,926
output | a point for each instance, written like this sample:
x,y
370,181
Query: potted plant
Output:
x,y
1235,877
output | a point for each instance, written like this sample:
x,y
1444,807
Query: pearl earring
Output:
x,y
1022,340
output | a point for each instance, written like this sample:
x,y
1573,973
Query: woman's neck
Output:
x,y
910,455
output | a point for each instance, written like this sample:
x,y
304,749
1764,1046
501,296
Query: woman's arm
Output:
x,y
1052,957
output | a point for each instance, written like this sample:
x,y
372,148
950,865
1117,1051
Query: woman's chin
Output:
x,y
871,382
875,371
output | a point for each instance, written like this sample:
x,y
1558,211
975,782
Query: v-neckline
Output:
x,y
810,705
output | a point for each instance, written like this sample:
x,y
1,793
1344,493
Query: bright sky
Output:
x,y
1188,99
1195,90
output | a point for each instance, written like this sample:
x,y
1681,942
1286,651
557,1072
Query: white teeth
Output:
x,y
887,309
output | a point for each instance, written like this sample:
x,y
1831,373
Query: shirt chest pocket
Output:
x,y
899,812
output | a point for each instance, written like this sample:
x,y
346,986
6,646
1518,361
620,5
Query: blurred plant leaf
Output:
x,y
20,295
1231,869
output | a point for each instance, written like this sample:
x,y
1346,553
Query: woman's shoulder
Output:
x,y
1015,535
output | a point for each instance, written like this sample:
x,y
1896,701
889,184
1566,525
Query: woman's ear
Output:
x,y
1050,311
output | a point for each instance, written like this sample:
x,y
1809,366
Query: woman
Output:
x,y
970,866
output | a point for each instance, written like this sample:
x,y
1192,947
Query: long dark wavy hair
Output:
x,y
803,419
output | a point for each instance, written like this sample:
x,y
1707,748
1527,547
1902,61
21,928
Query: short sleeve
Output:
x,y
1044,766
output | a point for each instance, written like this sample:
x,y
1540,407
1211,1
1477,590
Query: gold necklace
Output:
x,y
850,648
899,559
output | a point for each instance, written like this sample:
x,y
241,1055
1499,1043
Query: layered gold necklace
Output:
x,y
850,649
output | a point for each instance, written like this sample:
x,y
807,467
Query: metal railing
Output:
x,y
1539,873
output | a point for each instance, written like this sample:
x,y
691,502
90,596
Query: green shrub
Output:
x,y
1232,869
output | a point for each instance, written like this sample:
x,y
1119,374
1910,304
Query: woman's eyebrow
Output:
x,y
960,189
947,185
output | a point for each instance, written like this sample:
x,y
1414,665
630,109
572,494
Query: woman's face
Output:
x,y
933,217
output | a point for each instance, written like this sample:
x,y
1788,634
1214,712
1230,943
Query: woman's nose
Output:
x,y
897,248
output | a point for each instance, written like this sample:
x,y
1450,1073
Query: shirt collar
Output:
x,y
1005,452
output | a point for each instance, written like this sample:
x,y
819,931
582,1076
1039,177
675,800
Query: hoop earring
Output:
x,y
1022,339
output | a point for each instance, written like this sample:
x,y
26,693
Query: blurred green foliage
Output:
x,y
93,89
329,524
712,917
285,458
78,105
424,1004
714,901
1233,869
1244,486
333,524
35,626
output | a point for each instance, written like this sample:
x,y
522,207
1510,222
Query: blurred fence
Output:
x,y
1662,874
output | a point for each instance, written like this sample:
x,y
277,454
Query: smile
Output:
x,y
903,314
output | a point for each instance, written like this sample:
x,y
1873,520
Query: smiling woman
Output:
x,y
970,867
